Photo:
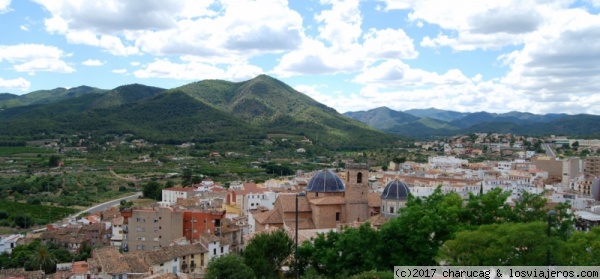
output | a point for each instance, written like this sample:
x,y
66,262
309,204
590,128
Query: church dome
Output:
x,y
395,190
325,181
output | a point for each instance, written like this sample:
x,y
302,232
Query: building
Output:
x,y
198,222
572,168
329,202
152,228
8,243
394,196
171,195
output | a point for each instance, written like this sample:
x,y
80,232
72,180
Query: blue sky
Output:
x,y
468,55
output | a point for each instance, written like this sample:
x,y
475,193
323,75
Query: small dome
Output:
x,y
395,190
325,181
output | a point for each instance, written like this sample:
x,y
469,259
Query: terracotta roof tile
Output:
x,y
288,203
156,257
328,200
269,217
136,263
374,200
111,261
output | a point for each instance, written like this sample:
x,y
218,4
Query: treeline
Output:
x,y
441,228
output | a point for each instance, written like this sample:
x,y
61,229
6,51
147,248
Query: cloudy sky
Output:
x,y
468,55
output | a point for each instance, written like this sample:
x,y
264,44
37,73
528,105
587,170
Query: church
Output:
x,y
327,202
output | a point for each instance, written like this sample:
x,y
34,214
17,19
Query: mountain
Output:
x,y
382,118
45,96
433,113
524,123
205,111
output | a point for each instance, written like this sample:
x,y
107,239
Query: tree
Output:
x,y
54,161
508,244
582,248
266,252
44,259
152,190
414,237
23,220
489,208
351,251
229,266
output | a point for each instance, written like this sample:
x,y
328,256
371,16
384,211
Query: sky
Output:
x,y
466,55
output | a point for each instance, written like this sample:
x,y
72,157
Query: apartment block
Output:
x,y
152,228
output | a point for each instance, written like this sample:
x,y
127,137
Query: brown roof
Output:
x,y
21,273
111,261
328,200
303,224
288,203
80,267
136,263
374,200
156,257
377,220
209,237
177,251
269,217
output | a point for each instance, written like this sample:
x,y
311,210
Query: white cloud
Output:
x,y
313,57
24,27
92,62
341,25
230,29
135,63
4,6
196,69
389,43
34,58
396,74
119,71
18,84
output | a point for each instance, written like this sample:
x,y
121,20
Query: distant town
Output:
x,y
178,235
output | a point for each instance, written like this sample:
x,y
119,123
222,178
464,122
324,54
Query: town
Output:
x,y
188,226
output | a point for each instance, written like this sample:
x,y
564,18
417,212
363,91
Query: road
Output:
x,y
549,150
108,204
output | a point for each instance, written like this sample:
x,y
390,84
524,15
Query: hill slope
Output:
x,y
455,123
46,96
208,111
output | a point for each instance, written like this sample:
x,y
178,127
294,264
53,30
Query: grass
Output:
x,y
12,150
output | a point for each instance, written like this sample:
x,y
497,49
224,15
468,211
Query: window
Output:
x,y
140,247
337,216
359,177
391,209
140,229
215,252
221,249
156,239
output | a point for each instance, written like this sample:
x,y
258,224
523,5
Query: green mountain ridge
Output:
x,y
205,111
448,123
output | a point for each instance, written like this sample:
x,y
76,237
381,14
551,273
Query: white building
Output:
x,y
8,243
118,230
171,195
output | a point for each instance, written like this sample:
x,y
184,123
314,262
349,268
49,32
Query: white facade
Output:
x,y
446,161
8,243
170,195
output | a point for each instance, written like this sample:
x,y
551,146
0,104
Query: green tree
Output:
x,y
488,208
529,207
508,244
23,220
414,237
44,259
230,266
152,190
54,161
266,252
351,251
582,249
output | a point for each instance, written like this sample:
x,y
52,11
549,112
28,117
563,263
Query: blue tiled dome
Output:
x,y
325,181
395,190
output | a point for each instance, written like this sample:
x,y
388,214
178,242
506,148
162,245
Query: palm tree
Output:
x,y
44,259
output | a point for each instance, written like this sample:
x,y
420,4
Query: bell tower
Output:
x,y
357,192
